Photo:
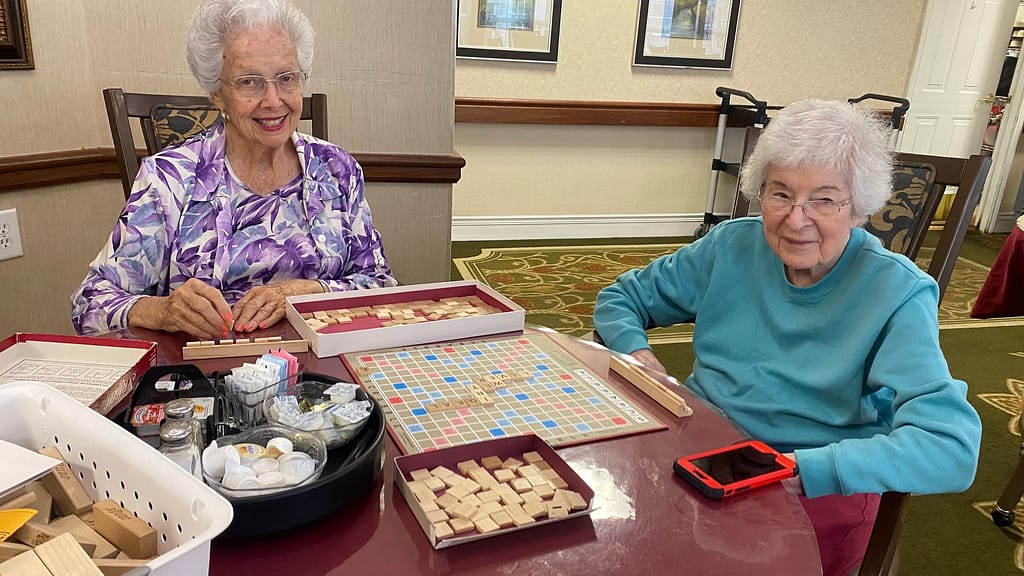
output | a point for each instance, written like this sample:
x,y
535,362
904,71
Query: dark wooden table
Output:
x,y
646,520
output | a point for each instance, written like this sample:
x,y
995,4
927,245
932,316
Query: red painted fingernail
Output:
x,y
263,324
224,328
248,326
227,317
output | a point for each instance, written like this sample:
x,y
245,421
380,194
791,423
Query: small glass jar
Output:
x,y
184,410
177,442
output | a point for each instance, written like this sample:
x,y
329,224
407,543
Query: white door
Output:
x,y
959,57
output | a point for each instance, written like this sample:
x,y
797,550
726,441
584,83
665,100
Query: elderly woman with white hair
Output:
x,y
809,334
220,229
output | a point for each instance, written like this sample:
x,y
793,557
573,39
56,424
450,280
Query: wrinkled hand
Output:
x,y
647,358
264,306
194,307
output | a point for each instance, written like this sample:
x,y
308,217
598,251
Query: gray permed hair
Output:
x,y
850,141
215,20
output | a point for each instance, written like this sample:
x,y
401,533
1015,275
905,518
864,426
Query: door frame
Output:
x,y
1003,153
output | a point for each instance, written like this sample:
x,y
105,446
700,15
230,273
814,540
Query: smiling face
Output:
x,y
808,247
265,122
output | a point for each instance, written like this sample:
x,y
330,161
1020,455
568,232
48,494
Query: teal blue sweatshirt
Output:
x,y
847,373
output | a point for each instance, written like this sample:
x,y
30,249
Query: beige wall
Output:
x,y
386,67
785,51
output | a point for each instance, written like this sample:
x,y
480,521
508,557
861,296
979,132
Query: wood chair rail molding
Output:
x,y
67,166
586,112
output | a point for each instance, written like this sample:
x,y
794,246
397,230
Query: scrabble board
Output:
x,y
441,395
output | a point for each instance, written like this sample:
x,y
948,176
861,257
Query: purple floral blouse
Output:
x,y
189,217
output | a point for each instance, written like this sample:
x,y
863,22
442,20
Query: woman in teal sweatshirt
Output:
x,y
808,333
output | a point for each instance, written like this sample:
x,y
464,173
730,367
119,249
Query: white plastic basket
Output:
x,y
112,463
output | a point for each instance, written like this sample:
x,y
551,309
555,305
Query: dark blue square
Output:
x,y
430,357
523,397
497,432
549,423
401,386
569,390
542,367
419,412
476,352
451,379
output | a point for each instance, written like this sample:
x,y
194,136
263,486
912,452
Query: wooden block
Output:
x,y
83,533
511,463
464,510
472,499
136,538
490,507
521,485
9,550
557,510
458,491
64,557
27,564
434,483
491,462
504,475
246,348
470,486
22,500
442,472
531,457
522,520
437,516
321,315
429,505
421,474
545,491
514,510
442,530
647,384
502,519
488,496
447,501
424,495
61,483
117,566
542,465
482,477
531,496
536,509
461,525
554,479
528,470
485,525
306,315
537,480
466,465
344,320
34,533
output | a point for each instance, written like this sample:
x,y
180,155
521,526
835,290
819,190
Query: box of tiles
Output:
x,y
98,372
485,489
339,322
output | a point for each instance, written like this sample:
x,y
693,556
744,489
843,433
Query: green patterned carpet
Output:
x,y
557,285
949,534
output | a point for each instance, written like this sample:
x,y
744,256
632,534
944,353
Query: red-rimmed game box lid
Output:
x,y
359,320
484,489
98,372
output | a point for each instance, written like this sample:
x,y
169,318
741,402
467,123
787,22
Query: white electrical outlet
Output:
x,y
10,235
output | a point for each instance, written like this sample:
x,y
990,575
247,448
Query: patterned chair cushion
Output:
x,y
175,124
897,221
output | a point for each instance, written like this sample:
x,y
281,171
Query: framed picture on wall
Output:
x,y
686,33
15,43
524,30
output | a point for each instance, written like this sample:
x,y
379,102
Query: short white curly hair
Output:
x,y
214,21
851,141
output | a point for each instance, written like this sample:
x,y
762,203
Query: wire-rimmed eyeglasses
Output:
x,y
814,209
252,85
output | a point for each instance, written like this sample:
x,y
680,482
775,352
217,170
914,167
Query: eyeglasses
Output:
x,y
814,209
255,85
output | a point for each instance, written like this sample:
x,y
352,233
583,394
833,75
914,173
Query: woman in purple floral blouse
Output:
x,y
220,229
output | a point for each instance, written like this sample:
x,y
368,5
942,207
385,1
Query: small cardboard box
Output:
x,y
368,334
98,372
503,448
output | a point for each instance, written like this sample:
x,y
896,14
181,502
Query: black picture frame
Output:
x,y
686,33
508,30
15,41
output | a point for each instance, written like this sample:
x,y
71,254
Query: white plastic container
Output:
x,y
112,463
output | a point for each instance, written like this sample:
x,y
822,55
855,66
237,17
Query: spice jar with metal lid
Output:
x,y
177,442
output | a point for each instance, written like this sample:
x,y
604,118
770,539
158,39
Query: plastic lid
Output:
x,y
179,409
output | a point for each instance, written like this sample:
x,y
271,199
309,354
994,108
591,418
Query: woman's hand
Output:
x,y
264,306
194,307
647,358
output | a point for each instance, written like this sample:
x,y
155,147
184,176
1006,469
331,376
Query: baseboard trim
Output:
x,y
476,228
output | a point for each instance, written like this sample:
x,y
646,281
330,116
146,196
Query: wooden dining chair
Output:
x,y
169,119
918,192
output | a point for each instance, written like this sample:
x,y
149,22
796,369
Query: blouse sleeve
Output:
x,y
133,262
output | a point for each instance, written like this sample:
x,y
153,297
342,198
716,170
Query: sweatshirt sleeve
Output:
x,y
665,292
935,436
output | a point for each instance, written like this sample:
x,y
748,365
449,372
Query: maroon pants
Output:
x,y
842,525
